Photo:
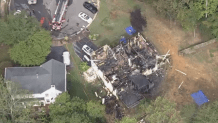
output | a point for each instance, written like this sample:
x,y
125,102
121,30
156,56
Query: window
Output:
x,y
47,100
46,95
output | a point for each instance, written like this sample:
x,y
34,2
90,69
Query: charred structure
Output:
x,y
126,69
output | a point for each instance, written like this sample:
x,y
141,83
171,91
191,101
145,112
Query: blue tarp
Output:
x,y
130,30
199,98
123,40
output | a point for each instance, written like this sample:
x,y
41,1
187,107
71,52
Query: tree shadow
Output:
x,y
137,21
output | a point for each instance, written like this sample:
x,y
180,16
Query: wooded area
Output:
x,y
190,13
29,43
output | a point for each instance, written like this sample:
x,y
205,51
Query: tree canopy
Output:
x,y
207,114
17,28
161,111
75,110
14,109
212,23
32,51
190,13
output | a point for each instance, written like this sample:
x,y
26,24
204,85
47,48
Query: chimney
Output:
x,y
37,76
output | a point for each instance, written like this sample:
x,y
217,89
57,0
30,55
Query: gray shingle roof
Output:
x,y
38,79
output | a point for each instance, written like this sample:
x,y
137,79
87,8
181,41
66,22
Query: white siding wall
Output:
x,y
49,95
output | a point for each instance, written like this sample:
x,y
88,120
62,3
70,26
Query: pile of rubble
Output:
x,y
129,70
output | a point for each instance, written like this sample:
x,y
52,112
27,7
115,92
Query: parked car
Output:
x,y
90,7
66,58
85,17
86,58
30,2
87,50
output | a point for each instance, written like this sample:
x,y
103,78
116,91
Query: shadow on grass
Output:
x,y
74,86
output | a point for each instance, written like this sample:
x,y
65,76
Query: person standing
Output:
x,y
33,11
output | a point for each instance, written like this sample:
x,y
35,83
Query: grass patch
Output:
x,y
212,51
5,60
111,21
4,53
77,86
203,57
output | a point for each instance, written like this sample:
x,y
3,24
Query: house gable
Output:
x,y
39,79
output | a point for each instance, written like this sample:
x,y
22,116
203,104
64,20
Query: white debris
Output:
x,y
90,75
96,94
181,72
180,85
130,62
147,72
103,100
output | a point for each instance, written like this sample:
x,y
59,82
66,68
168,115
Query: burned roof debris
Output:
x,y
129,70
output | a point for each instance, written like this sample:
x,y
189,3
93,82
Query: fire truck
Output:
x,y
58,17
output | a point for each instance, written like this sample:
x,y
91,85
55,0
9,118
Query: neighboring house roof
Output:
x,y
39,79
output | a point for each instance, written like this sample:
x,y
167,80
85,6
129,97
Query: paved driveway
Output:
x,y
78,48
46,8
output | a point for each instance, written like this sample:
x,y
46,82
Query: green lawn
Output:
x,y
111,21
77,86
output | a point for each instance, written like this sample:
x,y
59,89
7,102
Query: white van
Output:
x,y
66,58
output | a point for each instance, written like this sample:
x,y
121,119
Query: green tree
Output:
x,y
207,114
83,66
210,6
187,112
167,8
65,110
190,15
75,110
95,109
212,24
32,51
161,111
13,108
17,28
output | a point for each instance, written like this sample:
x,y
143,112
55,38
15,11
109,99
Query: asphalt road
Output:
x,y
46,9
78,48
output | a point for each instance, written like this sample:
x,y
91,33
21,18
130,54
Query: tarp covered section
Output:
x,y
130,30
199,98
123,39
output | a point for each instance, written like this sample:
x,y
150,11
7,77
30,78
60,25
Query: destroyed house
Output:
x,y
125,68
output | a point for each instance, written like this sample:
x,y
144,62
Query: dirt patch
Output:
x,y
113,14
198,75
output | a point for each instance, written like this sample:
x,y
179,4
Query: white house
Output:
x,y
45,82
